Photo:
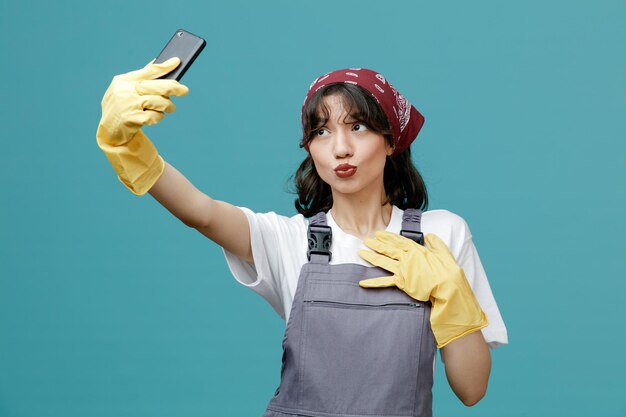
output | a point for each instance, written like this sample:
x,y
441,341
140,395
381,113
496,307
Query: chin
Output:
x,y
346,188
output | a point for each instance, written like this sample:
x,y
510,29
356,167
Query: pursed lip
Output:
x,y
345,171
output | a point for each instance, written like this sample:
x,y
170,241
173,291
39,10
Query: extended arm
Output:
x,y
140,98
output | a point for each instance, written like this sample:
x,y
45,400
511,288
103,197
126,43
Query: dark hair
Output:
x,y
404,186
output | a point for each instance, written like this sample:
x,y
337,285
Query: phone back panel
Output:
x,y
185,46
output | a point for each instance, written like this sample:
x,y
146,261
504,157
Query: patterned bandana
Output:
x,y
404,119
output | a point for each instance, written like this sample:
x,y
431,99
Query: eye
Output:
x,y
359,127
321,132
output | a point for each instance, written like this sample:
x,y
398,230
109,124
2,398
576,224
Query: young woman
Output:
x,y
367,299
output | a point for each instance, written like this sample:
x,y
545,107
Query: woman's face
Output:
x,y
348,156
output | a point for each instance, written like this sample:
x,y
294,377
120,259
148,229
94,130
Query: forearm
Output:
x,y
221,222
468,363
178,195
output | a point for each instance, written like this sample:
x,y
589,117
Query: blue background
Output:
x,y
111,306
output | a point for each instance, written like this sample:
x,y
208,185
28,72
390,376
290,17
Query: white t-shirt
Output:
x,y
279,248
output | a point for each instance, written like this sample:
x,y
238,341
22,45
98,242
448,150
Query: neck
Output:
x,y
363,215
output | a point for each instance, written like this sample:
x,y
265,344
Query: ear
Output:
x,y
389,148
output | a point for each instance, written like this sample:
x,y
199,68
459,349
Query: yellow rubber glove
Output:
x,y
427,274
132,100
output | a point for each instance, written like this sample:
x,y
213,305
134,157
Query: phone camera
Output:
x,y
180,34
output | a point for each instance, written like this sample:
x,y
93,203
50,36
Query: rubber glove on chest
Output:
x,y
427,273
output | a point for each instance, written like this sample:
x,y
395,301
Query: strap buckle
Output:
x,y
417,237
320,238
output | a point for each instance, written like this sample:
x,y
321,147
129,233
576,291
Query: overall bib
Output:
x,y
349,351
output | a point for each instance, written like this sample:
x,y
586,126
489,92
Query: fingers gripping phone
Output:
x,y
185,46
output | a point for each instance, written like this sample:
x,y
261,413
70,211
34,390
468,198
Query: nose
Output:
x,y
343,144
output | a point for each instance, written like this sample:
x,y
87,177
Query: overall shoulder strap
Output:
x,y
320,238
412,225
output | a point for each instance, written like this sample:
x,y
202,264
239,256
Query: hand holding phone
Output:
x,y
184,45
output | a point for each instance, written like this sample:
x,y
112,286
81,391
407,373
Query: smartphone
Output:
x,y
185,46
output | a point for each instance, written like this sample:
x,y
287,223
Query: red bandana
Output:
x,y
404,119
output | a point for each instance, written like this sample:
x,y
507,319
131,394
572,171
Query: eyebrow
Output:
x,y
349,118
354,118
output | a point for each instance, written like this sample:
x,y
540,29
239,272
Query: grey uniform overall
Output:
x,y
349,351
